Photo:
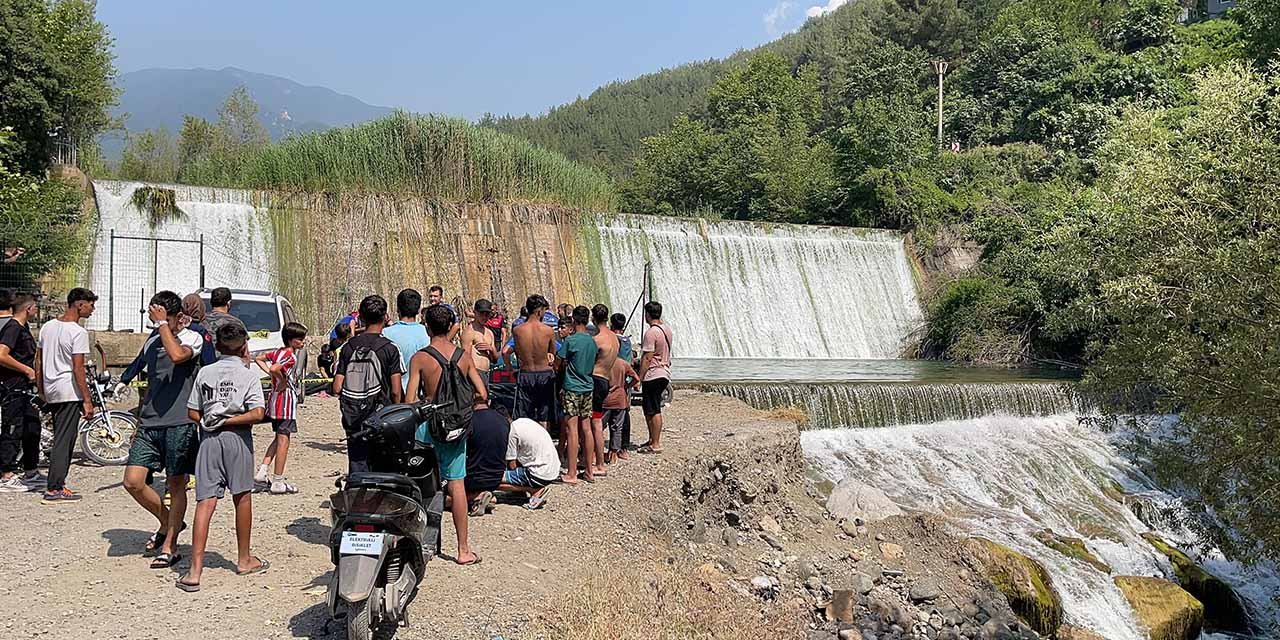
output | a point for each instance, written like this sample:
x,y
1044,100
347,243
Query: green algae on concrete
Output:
x,y
1072,548
1222,608
1166,610
1022,581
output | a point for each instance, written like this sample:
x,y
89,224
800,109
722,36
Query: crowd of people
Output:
x,y
568,374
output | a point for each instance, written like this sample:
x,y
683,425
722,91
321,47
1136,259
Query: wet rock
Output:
x,y
1222,608
1022,581
853,499
1072,548
1165,609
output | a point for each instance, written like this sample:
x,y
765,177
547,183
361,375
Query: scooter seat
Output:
x,y
394,482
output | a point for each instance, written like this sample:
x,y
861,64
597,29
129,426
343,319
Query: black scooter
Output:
x,y
386,523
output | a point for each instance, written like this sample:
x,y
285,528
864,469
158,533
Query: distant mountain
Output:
x,y
154,98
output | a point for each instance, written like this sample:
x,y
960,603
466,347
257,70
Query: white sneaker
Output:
x,y
280,487
13,484
263,475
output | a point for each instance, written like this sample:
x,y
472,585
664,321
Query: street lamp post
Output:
x,y
940,66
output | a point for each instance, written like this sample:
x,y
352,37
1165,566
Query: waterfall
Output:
x,y
1006,478
882,405
739,290
237,248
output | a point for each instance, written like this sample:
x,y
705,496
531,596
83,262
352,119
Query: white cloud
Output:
x,y
822,10
775,20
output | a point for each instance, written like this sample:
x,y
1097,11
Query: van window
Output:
x,y
256,315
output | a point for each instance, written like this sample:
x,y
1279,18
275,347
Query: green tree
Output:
x,y
57,76
1260,23
197,141
41,217
238,123
150,156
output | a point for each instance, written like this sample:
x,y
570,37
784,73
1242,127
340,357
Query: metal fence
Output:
x,y
137,267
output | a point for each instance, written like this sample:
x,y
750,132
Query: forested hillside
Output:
x,y
1118,163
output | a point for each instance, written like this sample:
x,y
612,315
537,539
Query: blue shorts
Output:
x,y
451,455
521,477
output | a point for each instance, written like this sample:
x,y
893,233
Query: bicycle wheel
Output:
x,y
107,437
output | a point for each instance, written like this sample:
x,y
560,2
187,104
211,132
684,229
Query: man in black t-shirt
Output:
x,y
367,378
19,420
486,456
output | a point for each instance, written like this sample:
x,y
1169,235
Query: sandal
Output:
x,y
165,560
468,564
181,583
648,449
481,505
157,539
263,565
538,499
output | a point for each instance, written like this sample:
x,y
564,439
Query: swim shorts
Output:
x,y
577,405
652,391
536,395
599,391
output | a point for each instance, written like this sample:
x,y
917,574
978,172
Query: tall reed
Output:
x,y
420,155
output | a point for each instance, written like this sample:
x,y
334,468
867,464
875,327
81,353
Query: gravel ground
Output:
x,y
76,570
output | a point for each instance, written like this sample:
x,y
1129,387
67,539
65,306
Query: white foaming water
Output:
x,y
237,249
1005,478
736,290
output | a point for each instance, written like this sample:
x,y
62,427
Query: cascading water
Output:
x,y
880,405
738,290
237,248
1006,478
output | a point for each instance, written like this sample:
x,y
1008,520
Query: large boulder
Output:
x,y
854,500
1071,632
1022,581
1222,607
1166,610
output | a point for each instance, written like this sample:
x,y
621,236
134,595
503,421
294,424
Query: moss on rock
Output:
x,y
1022,581
1222,608
1166,610
1072,548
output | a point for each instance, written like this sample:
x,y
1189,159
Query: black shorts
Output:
x,y
284,427
536,395
652,391
599,391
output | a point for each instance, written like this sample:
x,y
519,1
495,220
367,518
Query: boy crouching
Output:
x,y
226,402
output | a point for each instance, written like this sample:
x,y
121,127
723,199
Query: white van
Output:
x,y
264,313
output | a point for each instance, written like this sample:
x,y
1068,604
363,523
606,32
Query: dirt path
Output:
x,y
76,571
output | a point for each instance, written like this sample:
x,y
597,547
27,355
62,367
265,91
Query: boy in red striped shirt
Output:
x,y
281,405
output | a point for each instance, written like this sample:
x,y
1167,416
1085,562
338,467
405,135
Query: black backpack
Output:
x,y
452,421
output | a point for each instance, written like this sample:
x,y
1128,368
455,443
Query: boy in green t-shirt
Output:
x,y
577,357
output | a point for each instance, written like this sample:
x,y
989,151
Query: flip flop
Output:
x,y
186,586
648,449
468,564
538,499
165,560
263,565
157,539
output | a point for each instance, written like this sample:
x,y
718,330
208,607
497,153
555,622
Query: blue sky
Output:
x,y
460,58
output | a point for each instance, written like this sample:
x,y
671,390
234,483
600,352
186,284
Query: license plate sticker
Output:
x,y
361,544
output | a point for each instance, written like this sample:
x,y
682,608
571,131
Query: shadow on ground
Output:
x,y
309,529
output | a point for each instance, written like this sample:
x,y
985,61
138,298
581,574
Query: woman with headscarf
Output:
x,y
193,317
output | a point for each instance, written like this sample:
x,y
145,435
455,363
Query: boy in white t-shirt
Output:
x,y
60,357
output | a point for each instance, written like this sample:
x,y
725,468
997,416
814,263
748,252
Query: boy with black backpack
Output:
x,y
440,375
367,378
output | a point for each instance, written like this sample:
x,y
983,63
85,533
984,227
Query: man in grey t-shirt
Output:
x,y
220,311
168,440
